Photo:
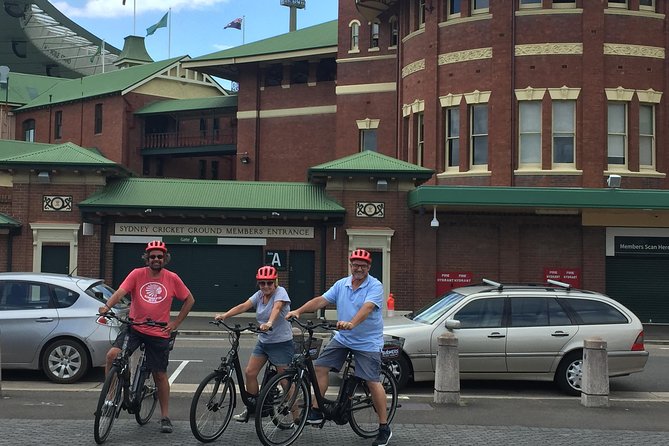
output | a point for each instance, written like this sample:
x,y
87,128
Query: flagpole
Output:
x,y
243,29
102,55
169,33
134,17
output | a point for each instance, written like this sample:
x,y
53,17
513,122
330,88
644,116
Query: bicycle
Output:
x,y
215,398
138,397
284,402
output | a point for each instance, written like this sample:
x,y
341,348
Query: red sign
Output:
x,y
572,276
446,281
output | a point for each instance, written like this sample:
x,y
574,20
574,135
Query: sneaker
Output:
x,y
165,426
384,436
243,417
315,416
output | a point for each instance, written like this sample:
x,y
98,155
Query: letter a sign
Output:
x,y
277,259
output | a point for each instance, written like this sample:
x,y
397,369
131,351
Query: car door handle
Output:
x,y
496,334
44,319
559,334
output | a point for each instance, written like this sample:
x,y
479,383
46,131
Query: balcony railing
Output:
x,y
180,139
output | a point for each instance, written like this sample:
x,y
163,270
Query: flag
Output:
x,y
161,24
236,24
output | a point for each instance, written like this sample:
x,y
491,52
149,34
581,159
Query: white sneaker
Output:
x,y
242,417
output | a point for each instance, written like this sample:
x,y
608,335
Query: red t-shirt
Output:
x,y
152,297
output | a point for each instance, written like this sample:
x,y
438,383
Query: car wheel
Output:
x,y
569,373
65,361
401,370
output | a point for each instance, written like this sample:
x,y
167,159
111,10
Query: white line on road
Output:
x,y
180,368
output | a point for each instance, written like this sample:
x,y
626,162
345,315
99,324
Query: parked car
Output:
x,y
519,332
49,322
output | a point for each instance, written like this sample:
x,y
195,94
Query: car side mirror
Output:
x,y
452,324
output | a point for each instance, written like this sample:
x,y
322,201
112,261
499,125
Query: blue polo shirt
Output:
x,y
368,336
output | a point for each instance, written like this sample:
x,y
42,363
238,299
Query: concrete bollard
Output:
x,y
595,377
447,372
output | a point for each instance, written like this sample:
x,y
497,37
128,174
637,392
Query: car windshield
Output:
x,y
103,292
435,309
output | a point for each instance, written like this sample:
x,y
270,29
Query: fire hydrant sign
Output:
x,y
572,276
446,281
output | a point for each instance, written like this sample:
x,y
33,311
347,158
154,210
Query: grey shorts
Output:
x,y
279,353
367,364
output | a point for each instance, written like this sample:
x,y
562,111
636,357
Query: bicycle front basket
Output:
x,y
314,350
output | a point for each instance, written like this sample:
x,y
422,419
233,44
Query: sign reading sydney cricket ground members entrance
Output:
x,y
223,231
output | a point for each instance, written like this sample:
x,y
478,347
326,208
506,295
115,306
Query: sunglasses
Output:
x,y
156,256
266,283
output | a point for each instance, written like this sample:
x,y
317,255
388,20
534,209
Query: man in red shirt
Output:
x,y
152,289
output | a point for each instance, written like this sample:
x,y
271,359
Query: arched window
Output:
x,y
355,35
394,31
374,33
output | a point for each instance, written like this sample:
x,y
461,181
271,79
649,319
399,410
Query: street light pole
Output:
x,y
4,80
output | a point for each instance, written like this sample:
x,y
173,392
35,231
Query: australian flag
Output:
x,y
236,23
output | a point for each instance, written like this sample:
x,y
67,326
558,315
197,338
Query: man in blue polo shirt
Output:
x,y
359,302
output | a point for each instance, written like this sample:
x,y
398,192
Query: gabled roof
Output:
x,y
23,88
538,197
165,196
314,40
22,154
185,105
370,163
113,82
8,222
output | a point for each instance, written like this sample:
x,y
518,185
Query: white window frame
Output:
x,y
420,137
474,137
354,27
374,34
650,7
394,32
565,5
617,135
563,133
454,15
452,135
526,134
534,4
612,4
478,10
420,13
649,137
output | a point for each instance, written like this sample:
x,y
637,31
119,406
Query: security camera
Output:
x,y
613,181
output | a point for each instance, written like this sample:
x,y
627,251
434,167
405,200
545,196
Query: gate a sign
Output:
x,y
277,259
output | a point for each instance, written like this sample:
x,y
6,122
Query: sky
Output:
x,y
196,27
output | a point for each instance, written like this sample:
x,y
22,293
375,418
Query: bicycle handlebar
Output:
x,y
149,322
311,326
238,328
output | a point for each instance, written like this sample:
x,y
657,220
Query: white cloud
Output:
x,y
115,8
221,47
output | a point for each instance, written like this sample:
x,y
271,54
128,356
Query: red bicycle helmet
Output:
x,y
361,254
267,273
156,244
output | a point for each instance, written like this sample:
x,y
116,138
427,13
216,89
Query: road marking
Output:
x,y
184,363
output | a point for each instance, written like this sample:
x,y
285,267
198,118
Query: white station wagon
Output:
x,y
519,332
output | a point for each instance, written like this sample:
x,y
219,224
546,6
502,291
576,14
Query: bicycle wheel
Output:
x,y
109,405
281,409
147,398
211,407
364,420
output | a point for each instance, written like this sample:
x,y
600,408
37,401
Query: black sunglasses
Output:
x,y
156,256
268,283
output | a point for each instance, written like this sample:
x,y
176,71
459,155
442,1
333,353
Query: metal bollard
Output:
x,y
447,373
595,377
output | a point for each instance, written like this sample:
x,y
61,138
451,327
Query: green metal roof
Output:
x,y
370,163
539,197
313,37
23,88
206,197
113,82
38,155
185,105
8,222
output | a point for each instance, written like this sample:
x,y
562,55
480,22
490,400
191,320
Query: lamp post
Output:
x,y
4,81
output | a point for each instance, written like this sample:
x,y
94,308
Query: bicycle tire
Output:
x,y
109,405
363,417
282,409
212,406
147,399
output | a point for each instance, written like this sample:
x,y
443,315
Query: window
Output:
x,y
368,140
160,167
479,135
274,75
214,170
64,297
481,6
481,313
326,71
617,3
420,13
537,312
564,124
595,312
420,138
202,169
203,127
374,34
647,136
564,4
98,118
617,133
530,3
452,137
355,36
454,9
394,32
299,72
216,128
647,5
530,132
29,130
58,125
25,296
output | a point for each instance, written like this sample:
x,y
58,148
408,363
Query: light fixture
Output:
x,y
87,228
245,158
434,223
613,181
44,177
381,185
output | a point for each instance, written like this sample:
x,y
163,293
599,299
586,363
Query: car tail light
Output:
x,y
638,344
104,321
